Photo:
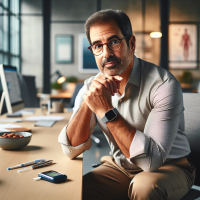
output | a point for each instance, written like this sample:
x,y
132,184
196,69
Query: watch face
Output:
x,y
110,115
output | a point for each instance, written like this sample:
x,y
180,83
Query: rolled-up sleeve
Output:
x,y
149,149
73,151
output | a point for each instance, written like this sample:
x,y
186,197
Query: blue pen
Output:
x,y
26,164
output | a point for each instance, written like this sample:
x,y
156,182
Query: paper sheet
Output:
x,y
10,120
9,126
4,130
38,118
25,112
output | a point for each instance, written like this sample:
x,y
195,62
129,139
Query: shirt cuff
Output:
x,y
139,145
72,151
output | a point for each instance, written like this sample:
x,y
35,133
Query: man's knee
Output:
x,y
145,187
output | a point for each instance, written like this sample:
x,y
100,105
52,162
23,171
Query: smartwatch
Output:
x,y
110,115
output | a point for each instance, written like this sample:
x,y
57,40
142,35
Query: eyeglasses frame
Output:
x,y
120,40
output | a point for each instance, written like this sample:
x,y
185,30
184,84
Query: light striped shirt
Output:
x,y
152,103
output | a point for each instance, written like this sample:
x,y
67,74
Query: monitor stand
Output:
x,y
2,100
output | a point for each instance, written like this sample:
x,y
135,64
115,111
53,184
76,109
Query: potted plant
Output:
x,y
55,87
186,79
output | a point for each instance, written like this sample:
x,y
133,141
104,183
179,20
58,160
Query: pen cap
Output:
x,y
25,169
37,178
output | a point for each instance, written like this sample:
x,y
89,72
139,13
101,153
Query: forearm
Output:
x,y
78,128
122,132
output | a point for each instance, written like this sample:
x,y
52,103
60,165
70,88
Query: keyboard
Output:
x,y
45,123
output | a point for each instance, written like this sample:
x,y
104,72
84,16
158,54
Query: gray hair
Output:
x,y
107,15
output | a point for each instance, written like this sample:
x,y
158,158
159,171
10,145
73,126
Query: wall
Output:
x,y
186,11
31,39
63,12
68,16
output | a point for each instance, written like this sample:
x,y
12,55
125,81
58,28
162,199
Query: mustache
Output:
x,y
110,59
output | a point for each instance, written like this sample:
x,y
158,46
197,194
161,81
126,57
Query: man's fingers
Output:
x,y
117,79
113,86
109,82
118,84
102,82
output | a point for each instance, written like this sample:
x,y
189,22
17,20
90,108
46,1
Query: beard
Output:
x,y
117,68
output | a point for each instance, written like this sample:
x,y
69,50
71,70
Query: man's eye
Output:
x,y
113,42
98,46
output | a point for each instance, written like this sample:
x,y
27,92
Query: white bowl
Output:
x,y
15,143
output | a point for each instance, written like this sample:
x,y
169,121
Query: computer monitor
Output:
x,y
11,89
87,63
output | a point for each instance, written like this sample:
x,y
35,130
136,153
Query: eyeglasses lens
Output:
x,y
113,45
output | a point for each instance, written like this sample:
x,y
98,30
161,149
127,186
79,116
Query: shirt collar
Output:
x,y
135,75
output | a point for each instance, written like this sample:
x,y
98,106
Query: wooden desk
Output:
x,y
43,145
64,94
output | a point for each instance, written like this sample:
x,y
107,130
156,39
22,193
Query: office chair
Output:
x,y
29,91
72,100
198,87
192,130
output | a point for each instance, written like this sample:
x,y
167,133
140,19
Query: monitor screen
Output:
x,y
87,63
12,85
11,89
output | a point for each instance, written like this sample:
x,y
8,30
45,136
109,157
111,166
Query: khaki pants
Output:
x,y
112,182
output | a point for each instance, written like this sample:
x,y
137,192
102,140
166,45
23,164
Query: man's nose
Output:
x,y
106,51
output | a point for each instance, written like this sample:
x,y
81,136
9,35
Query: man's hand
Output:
x,y
98,97
111,83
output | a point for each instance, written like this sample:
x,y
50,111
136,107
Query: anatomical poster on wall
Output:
x,y
183,46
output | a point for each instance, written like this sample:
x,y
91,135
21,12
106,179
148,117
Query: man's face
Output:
x,y
110,62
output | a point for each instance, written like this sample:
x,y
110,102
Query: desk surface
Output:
x,y
64,94
44,144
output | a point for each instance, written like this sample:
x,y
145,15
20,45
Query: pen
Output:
x,y
37,165
26,164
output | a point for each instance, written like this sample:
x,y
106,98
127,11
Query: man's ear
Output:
x,y
132,43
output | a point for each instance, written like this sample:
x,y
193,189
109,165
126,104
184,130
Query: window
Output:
x,y
10,33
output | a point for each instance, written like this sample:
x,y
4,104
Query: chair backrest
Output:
x,y
29,91
76,90
198,87
192,129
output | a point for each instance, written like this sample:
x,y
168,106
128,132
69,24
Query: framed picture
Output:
x,y
64,49
87,63
183,49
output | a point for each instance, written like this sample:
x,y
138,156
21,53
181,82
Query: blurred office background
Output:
x,y
29,29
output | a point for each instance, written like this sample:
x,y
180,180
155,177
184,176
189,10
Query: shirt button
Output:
x,y
120,100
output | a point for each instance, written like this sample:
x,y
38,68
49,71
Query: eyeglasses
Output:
x,y
113,45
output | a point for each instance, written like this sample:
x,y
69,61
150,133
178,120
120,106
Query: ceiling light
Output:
x,y
155,34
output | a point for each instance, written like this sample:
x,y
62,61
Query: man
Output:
x,y
139,107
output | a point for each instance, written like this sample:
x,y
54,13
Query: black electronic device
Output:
x,y
14,115
52,176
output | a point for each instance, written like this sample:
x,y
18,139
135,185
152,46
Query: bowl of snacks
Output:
x,y
16,140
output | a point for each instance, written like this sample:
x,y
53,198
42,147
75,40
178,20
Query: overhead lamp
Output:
x,y
61,79
156,34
